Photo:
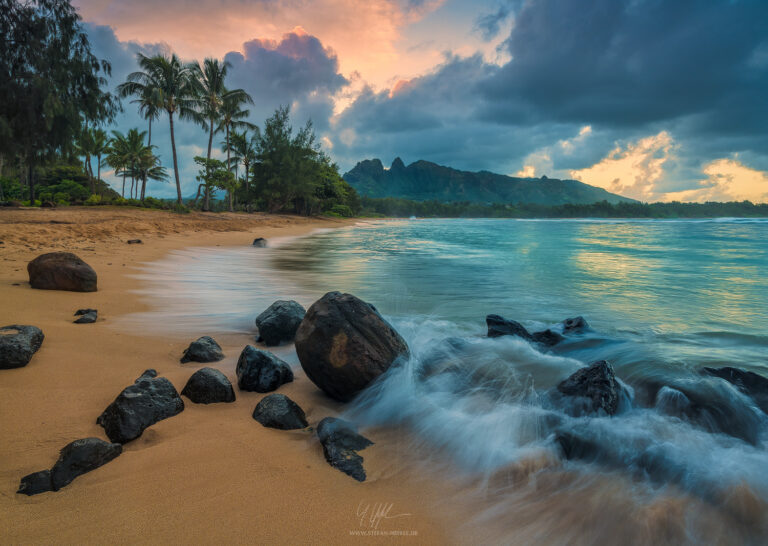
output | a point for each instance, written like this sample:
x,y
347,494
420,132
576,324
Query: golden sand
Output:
x,y
208,475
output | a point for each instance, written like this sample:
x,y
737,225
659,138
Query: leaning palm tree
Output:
x,y
170,82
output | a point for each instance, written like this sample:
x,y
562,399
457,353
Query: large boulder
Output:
x,y
279,411
753,385
341,442
343,344
17,345
203,349
595,388
261,371
61,271
208,386
279,322
149,400
75,459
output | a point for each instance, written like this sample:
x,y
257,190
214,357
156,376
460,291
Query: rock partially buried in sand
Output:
x,y
279,411
61,271
279,322
343,344
75,459
134,241
204,349
596,386
341,442
149,400
208,386
17,345
260,242
261,371
87,316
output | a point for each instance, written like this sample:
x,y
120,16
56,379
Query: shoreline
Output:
x,y
209,474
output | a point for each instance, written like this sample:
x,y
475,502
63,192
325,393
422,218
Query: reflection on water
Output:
x,y
685,459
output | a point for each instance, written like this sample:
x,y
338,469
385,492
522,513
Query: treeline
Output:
x,y
55,115
394,207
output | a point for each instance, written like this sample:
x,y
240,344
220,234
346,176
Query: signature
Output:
x,y
372,514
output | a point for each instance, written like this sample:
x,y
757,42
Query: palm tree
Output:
x,y
170,83
148,168
244,150
233,117
135,150
84,147
100,147
212,96
118,156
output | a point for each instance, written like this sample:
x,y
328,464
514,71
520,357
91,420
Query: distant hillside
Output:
x,y
422,181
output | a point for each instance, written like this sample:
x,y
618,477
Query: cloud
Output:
x,y
727,180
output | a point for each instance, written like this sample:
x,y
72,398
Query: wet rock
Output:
x,y
134,241
75,459
61,271
596,386
204,349
260,242
17,345
87,318
208,386
576,325
85,312
35,483
261,371
279,322
547,337
499,326
149,400
753,385
343,344
341,442
279,411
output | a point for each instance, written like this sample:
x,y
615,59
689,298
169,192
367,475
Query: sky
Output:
x,y
655,100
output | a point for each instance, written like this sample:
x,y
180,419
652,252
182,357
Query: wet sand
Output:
x,y
209,475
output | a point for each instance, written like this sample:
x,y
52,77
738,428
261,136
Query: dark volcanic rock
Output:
x,y
208,386
753,385
204,349
82,456
576,325
279,322
547,337
279,411
85,311
37,482
134,241
260,242
499,326
61,271
596,385
341,442
261,371
75,459
17,345
343,344
149,400
87,318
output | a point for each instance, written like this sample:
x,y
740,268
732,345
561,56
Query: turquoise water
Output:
x,y
663,298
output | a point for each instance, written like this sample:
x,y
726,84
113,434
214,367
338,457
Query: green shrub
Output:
x,y
61,196
180,208
342,210
62,203
46,196
94,199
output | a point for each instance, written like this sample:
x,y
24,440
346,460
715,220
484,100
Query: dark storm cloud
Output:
x,y
627,68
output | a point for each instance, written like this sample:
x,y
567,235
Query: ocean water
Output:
x,y
684,460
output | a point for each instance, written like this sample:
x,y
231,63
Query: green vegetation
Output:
x,y
389,206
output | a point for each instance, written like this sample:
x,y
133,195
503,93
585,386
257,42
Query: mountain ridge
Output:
x,y
426,181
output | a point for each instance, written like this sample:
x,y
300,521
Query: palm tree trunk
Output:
x,y
149,138
122,192
207,198
143,187
231,189
98,167
175,162
31,183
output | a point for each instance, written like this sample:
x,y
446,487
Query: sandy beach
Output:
x,y
209,475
